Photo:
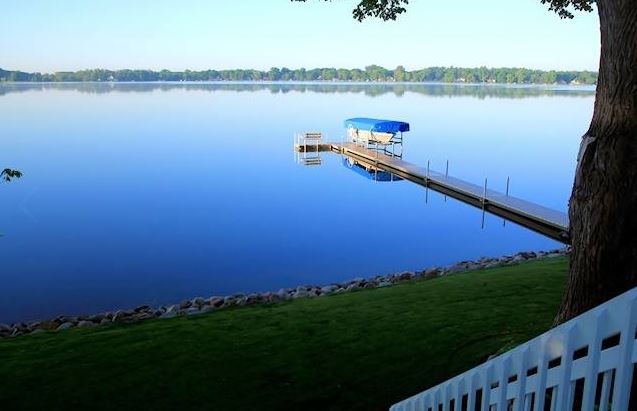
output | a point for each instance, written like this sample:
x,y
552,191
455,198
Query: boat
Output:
x,y
375,131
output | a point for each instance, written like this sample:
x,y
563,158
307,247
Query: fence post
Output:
x,y
542,367
564,385
487,374
592,366
623,375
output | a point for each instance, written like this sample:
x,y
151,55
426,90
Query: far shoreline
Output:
x,y
592,87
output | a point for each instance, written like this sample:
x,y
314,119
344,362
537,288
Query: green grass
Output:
x,y
358,351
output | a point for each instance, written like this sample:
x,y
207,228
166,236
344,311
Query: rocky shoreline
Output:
x,y
199,305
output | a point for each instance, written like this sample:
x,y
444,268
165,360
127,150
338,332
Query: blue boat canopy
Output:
x,y
373,124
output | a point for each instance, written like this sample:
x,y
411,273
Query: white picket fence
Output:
x,y
586,362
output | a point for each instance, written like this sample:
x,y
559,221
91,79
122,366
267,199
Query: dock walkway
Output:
x,y
544,220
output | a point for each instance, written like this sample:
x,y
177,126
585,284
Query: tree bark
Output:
x,y
603,204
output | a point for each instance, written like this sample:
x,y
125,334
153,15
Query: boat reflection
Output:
x,y
368,171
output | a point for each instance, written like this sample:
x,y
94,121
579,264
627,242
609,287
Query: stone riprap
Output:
x,y
199,305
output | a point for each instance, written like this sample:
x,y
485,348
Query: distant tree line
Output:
x,y
370,73
368,89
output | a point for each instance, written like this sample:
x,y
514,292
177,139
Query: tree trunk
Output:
x,y
603,205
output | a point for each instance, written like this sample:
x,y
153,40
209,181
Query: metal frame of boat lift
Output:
x,y
397,139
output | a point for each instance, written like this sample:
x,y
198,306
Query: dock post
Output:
x,y
504,221
446,176
427,179
484,200
427,184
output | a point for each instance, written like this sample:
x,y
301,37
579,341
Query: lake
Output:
x,y
152,193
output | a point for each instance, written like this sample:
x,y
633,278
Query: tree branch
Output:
x,y
561,7
382,9
7,174
390,9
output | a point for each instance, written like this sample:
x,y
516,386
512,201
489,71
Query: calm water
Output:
x,y
147,194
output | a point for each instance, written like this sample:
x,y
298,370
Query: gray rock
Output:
x,y
185,304
37,331
192,311
456,268
300,294
328,289
431,273
86,324
67,319
208,308
122,315
404,276
139,317
254,299
4,327
21,327
268,297
65,326
384,284
168,314
198,301
33,325
142,308
275,298
96,318
283,294
172,308
215,301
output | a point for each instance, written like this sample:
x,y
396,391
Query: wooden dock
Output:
x,y
544,220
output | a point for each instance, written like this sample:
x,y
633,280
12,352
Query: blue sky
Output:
x,y
46,35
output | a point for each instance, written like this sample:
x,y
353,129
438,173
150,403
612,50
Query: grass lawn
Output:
x,y
358,351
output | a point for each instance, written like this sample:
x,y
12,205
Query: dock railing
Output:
x,y
309,143
584,364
